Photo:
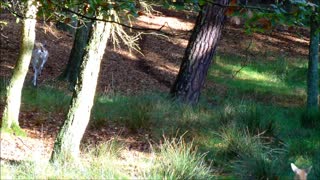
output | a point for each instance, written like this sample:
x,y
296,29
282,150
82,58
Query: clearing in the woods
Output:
x,y
263,72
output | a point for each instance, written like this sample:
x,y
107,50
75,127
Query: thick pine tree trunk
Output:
x,y
313,64
13,95
68,140
199,53
79,44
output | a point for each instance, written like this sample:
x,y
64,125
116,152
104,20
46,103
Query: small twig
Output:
x,y
245,63
22,141
3,36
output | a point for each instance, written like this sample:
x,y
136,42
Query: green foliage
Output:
x,y
253,119
179,160
14,129
261,80
236,142
150,111
250,132
46,98
315,172
264,165
133,112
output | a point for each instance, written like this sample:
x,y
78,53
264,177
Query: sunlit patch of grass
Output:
x,y
280,78
173,159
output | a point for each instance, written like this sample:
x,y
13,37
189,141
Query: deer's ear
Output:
x,y
294,167
308,170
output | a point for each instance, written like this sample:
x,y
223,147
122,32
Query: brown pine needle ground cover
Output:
x,y
125,73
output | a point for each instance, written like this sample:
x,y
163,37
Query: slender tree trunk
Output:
x,y
199,53
13,95
68,140
79,44
313,64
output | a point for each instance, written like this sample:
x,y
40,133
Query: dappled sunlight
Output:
x,y
135,162
123,52
169,22
296,39
248,79
280,42
247,73
169,68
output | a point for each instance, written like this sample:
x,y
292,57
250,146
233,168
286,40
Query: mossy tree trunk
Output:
x,y
14,89
313,64
67,143
199,53
75,59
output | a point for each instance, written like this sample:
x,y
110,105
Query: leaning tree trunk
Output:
x,y
68,140
199,53
13,95
313,67
75,59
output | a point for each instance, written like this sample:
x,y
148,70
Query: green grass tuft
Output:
x,y
179,160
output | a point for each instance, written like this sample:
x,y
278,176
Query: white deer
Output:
x,y
301,174
39,58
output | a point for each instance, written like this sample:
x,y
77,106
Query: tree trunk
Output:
x,y
79,44
199,53
313,67
13,95
68,140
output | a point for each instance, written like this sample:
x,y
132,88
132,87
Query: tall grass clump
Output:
x,y
249,117
103,159
253,118
177,159
235,142
267,164
249,155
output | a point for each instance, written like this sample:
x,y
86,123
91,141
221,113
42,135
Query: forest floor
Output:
x,y
125,72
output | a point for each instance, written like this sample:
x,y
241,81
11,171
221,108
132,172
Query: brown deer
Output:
x,y
301,174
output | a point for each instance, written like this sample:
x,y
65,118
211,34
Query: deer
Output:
x,y
39,58
300,174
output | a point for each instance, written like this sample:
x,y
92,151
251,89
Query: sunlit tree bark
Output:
x,y
199,53
68,140
13,95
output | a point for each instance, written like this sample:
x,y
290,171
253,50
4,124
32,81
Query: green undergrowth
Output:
x,y
174,159
263,80
45,98
251,125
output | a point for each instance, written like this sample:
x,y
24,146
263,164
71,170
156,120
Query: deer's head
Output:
x,y
301,174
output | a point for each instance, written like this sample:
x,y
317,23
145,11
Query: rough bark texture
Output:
x,y
80,42
313,67
199,53
13,95
68,140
